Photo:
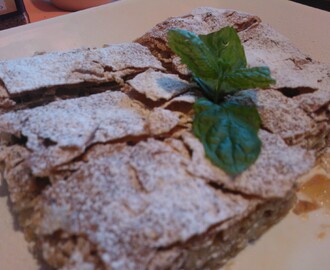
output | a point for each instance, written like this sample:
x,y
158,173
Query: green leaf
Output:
x,y
227,47
208,87
218,62
247,114
245,78
229,133
194,53
203,104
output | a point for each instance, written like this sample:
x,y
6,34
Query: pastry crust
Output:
x,y
112,178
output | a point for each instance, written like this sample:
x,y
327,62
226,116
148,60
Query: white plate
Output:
x,y
291,245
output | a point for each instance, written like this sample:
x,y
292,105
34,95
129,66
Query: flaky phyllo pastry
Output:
x,y
104,170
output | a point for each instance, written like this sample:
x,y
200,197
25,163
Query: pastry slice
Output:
x,y
113,178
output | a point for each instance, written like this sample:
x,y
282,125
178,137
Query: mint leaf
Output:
x,y
203,104
227,47
218,62
229,134
247,114
245,78
208,87
194,53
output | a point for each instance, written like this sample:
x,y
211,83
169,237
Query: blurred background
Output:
x,y
17,12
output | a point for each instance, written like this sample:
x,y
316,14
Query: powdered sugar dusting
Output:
x,y
157,85
131,187
274,173
62,130
67,68
134,201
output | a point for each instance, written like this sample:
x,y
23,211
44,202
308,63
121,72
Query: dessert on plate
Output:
x,y
103,168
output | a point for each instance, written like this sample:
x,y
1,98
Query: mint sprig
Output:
x,y
218,62
227,130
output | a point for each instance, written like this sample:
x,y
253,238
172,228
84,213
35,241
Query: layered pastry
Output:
x,y
103,168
